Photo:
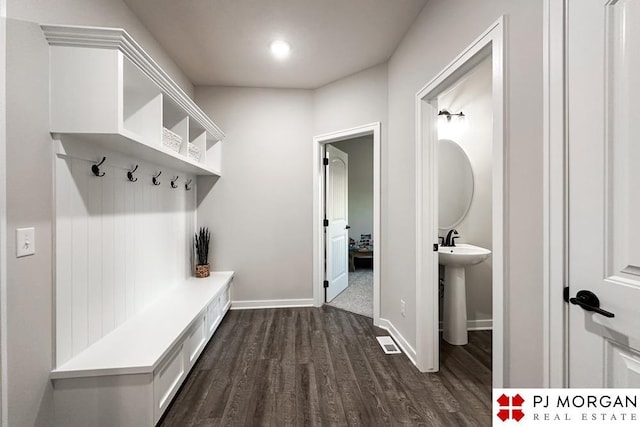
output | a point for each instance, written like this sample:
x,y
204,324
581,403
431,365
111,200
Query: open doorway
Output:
x,y
487,47
465,145
323,256
355,156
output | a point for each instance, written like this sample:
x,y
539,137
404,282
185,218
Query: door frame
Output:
x,y
489,43
4,413
555,196
319,205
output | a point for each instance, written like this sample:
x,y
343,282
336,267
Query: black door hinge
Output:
x,y
326,283
435,247
325,161
325,222
565,293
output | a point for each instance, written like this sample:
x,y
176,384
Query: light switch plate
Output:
x,y
25,241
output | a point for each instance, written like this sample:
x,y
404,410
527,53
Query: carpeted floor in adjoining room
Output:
x,y
358,297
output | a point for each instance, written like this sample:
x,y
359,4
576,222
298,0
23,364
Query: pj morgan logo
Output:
x,y
510,407
566,407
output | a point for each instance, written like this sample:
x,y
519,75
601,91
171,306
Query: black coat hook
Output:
x,y
155,178
187,185
173,182
130,174
96,168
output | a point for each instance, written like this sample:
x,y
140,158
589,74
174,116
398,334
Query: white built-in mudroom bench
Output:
x,y
129,146
129,377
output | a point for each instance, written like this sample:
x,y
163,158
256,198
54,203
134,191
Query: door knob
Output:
x,y
590,302
347,227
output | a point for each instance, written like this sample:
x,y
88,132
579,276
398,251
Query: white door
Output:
x,y
337,233
603,82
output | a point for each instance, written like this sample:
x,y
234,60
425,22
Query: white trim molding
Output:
x,y
119,39
409,351
480,325
373,129
555,195
490,43
475,325
271,303
4,405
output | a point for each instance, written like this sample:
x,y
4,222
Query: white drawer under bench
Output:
x,y
130,376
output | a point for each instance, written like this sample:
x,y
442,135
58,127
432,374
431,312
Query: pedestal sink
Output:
x,y
455,259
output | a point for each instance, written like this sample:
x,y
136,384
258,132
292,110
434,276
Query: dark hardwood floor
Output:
x,y
323,366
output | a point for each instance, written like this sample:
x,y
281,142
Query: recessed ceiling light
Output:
x,y
280,49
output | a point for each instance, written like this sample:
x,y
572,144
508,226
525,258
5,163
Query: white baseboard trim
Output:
x,y
480,325
271,303
477,325
399,339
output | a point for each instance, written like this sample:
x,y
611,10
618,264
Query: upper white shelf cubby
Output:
x,y
106,88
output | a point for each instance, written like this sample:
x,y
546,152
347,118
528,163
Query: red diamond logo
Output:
x,y
517,414
503,400
510,407
503,414
517,400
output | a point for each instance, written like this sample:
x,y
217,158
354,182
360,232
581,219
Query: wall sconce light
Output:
x,y
451,125
446,115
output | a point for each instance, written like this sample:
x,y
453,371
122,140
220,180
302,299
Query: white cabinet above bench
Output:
x,y
106,88
130,376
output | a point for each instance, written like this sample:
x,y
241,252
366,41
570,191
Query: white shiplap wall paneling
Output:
x,y
64,270
119,244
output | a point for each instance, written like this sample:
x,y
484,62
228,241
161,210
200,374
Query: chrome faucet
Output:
x,y
451,235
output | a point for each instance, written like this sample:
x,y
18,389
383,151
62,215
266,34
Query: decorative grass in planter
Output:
x,y
201,243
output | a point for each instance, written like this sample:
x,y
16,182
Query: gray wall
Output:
x,y
29,189
353,101
264,200
472,95
360,151
260,211
442,30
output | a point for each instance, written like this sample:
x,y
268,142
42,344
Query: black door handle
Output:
x,y
347,227
590,302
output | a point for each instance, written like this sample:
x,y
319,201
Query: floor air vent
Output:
x,y
388,346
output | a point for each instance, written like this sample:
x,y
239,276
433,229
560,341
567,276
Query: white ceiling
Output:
x,y
226,42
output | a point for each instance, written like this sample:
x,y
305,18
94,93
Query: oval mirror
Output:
x,y
455,184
